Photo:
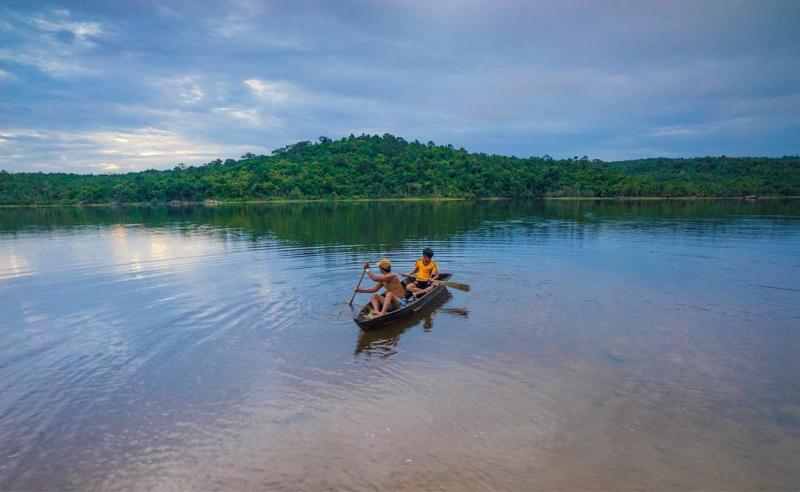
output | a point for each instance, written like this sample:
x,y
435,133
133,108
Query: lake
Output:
x,y
637,345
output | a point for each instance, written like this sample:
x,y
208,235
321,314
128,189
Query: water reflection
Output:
x,y
604,345
394,223
13,265
383,342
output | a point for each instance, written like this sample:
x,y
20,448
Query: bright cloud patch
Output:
x,y
109,151
252,117
187,89
81,31
274,92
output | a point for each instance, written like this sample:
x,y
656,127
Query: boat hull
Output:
x,y
402,313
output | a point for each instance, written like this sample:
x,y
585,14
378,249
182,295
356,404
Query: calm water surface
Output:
x,y
603,346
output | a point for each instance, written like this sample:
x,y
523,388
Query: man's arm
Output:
x,y
371,289
415,270
377,278
435,272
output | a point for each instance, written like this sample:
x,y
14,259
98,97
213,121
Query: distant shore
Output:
x,y
214,203
355,168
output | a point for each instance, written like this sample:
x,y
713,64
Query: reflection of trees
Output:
x,y
305,224
389,224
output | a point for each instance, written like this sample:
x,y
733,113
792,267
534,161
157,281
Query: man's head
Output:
x,y
385,265
427,255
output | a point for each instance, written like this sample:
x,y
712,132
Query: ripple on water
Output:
x,y
594,351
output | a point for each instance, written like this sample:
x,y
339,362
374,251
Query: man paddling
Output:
x,y
395,295
425,270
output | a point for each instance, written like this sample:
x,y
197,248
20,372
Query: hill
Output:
x,y
371,166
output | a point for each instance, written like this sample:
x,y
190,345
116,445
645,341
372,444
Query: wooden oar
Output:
x,y
355,291
446,283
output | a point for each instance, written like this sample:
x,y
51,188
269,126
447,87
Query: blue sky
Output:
x,y
119,86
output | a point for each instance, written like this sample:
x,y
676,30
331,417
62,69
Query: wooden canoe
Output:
x,y
414,306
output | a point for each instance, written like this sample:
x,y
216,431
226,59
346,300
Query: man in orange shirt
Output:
x,y
425,270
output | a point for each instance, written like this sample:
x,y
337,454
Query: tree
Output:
x,y
388,166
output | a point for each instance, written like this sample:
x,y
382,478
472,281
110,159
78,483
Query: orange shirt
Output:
x,y
424,271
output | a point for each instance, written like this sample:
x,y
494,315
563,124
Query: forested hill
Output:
x,y
390,167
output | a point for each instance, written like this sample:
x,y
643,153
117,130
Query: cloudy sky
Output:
x,y
117,86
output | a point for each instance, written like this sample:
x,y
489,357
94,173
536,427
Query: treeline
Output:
x,y
371,166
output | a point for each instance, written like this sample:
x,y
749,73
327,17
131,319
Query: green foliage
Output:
x,y
372,166
718,176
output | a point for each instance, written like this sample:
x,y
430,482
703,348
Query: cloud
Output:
x,y
737,124
82,32
189,90
53,42
186,88
94,151
515,77
276,92
680,131
47,60
248,115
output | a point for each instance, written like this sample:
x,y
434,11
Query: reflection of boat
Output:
x,y
382,341
414,306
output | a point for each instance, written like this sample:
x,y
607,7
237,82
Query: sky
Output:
x,y
113,86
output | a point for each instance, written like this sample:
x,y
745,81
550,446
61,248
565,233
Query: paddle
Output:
x,y
446,283
355,291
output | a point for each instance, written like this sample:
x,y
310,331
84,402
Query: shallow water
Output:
x,y
603,346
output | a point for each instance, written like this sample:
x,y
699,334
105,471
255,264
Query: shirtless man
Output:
x,y
395,295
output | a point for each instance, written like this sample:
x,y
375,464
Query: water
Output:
x,y
603,346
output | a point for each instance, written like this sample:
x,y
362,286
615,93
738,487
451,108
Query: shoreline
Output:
x,y
283,201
